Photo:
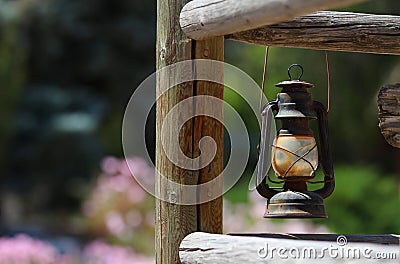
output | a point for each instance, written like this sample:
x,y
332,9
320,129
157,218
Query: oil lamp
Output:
x,y
294,153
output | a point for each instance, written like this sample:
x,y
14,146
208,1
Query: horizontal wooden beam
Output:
x,y
272,248
364,238
340,31
201,19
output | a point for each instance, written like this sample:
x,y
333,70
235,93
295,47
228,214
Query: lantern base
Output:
x,y
295,204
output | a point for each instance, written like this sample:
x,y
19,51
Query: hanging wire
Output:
x,y
328,108
329,80
264,77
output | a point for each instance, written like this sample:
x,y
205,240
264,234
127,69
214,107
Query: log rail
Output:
x,y
289,248
292,23
339,31
201,19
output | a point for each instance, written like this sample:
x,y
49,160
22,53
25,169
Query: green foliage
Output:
x,y
12,79
365,200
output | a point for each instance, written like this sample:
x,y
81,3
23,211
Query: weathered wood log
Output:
x,y
268,248
377,239
209,214
173,220
341,31
201,19
389,113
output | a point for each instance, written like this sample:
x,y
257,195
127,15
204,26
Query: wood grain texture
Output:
x,y
377,239
340,31
201,19
175,221
200,248
209,214
389,113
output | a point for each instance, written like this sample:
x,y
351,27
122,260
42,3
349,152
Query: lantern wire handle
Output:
x,y
295,65
328,72
264,77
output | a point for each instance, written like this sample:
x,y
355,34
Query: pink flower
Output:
x,y
119,183
140,170
110,165
134,218
118,208
23,249
115,223
136,194
99,252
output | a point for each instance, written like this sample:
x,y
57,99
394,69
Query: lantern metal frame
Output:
x,y
295,201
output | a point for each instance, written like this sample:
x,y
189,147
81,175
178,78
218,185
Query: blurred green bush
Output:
x,y
365,201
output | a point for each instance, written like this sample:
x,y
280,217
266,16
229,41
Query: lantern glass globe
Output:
x,y
294,156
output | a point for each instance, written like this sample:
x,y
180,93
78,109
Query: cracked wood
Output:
x,y
201,19
174,221
198,248
389,113
340,31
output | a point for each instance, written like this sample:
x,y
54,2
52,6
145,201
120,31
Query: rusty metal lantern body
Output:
x,y
294,154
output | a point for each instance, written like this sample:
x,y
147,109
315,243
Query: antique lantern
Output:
x,y
294,153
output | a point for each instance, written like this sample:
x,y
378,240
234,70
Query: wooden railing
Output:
x,y
289,248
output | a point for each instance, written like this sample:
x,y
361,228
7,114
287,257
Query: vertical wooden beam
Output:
x,y
209,214
175,221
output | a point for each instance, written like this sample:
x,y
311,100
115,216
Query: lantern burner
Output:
x,y
295,204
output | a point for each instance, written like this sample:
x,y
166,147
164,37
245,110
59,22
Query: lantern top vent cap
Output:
x,y
294,83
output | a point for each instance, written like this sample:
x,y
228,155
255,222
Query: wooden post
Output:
x,y
210,213
175,221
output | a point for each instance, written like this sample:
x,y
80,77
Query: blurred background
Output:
x,y
67,70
